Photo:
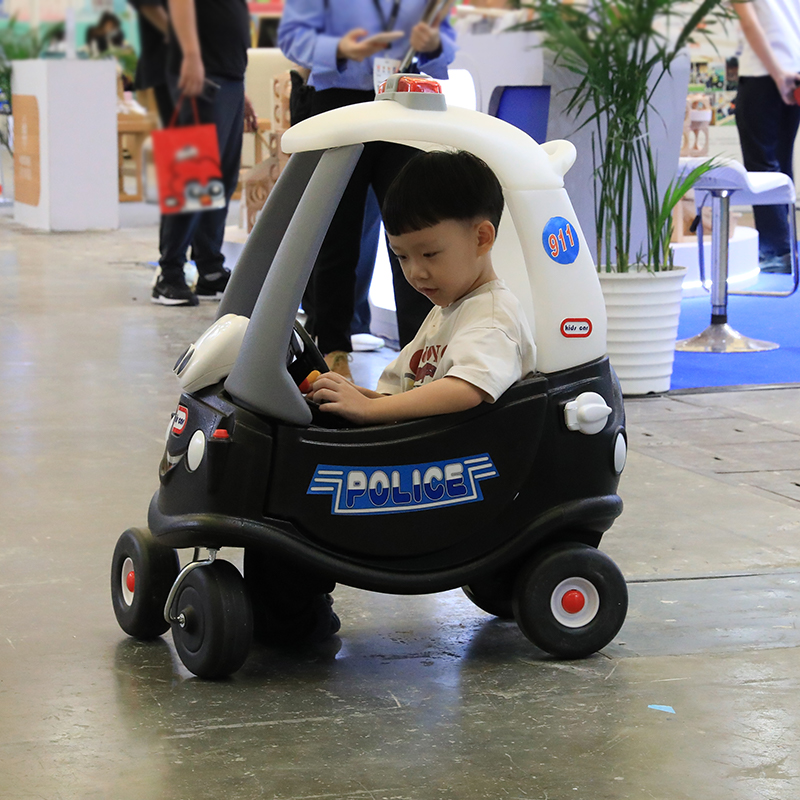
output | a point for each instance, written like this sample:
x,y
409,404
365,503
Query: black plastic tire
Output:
x,y
218,630
494,596
542,605
139,600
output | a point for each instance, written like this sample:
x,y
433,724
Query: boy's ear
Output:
x,y
486,236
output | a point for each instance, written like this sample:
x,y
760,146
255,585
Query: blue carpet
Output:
x,y
772,319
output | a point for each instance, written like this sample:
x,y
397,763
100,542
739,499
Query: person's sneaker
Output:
x,y
173,294
212,286
366,342
781,265
339,362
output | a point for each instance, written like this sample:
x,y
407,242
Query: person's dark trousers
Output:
x,y
767,129
164,103
166,108
370,235
205,231
334,277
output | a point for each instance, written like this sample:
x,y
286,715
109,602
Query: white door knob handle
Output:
x,y
587,413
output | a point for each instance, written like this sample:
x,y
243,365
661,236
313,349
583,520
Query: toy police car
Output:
x,y
508,501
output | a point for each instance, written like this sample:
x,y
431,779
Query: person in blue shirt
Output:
x,y
334,39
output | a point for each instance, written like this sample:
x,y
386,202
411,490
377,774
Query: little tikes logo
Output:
x,y
406,487
179,423
576,328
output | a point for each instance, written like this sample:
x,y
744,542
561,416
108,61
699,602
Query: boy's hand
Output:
x,y
335,393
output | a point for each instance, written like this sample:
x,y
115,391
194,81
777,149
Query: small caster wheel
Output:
x,y
571,600
214,630
142,573
493,595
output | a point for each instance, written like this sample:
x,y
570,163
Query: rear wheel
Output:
x,y
214,630
142,573
571,600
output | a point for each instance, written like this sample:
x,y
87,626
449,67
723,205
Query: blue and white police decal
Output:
x,y
406,487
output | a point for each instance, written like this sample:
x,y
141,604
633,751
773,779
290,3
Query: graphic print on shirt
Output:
x,y
422,366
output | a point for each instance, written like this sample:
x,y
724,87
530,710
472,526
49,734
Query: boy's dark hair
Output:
x,y
438,186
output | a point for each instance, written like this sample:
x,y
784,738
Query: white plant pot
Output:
x,y
643,310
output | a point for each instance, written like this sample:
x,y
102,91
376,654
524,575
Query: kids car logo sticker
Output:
x,y
181,418
560,240
576,328
406,487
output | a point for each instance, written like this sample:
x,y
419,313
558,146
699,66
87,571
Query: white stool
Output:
x,y
750,188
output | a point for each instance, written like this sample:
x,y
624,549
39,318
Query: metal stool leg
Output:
x,y
719,337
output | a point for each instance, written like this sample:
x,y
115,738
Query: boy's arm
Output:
x,y
444,396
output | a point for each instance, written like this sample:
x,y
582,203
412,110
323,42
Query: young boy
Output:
x,y
441,214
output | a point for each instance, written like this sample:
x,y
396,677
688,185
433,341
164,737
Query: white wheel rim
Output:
x,y
564,594
127,568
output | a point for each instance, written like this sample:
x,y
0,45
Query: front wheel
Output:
x,y
214,627
142,573
571,600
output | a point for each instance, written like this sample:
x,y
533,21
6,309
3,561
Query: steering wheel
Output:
x,y
303,356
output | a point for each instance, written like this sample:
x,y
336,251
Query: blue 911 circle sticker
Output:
x,y
560,240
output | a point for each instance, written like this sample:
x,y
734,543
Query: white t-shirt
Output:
x,y
483,338
780,20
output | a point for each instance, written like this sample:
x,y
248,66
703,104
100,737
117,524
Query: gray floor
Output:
x,y
420,697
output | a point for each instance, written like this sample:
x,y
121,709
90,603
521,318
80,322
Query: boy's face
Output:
x,y
447,260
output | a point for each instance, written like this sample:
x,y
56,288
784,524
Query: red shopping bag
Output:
x,y
187,166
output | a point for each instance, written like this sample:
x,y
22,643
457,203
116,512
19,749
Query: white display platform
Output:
x,y
66,158
742,261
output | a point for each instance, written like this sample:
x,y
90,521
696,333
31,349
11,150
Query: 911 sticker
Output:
x,y
180,420
406,487
560,240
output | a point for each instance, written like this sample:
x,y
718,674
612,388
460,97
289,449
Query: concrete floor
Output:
x,y
420,698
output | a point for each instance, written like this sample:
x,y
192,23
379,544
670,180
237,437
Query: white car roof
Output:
x,y
518,161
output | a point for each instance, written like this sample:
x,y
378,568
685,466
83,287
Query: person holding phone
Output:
x,y
206,60
350,47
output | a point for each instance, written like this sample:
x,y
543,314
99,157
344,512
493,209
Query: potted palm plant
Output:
x,y
619,52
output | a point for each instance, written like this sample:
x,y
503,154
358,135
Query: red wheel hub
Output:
x,y
572,602
130,581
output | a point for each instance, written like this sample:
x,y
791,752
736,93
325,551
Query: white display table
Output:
x,y
65,159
